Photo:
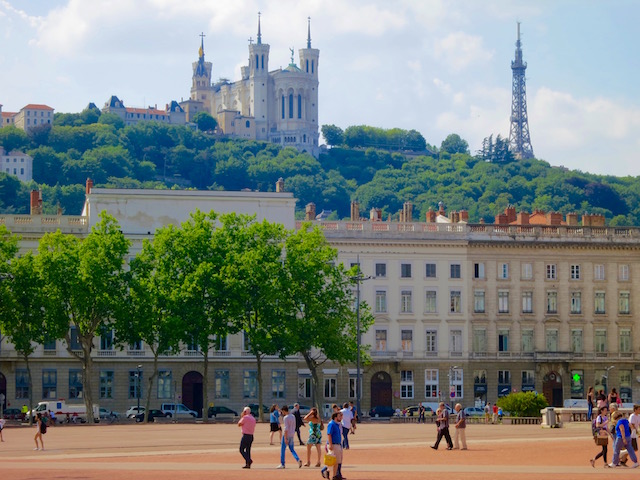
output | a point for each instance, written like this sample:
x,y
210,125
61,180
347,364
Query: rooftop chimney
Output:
x,y
510,212
310,212
407,212
523,218
464,216
355,211
280,185
36,202
431,216
375,215
89,186
572,219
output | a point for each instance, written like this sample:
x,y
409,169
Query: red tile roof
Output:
x,y
36,106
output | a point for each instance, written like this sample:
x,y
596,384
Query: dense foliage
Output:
x,y
523,404
378,168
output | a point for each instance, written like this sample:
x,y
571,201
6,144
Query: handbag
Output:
x,y
602,439
329,459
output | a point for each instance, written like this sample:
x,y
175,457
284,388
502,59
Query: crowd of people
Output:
x,y
610,425
287,424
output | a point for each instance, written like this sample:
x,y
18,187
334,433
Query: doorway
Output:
x,y
552,389
381,392
192,392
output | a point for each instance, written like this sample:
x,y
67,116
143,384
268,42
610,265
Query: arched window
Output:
x,y
307,65
283,107
257,63
299,106
304,138
262,62
248,123
291,105
311,66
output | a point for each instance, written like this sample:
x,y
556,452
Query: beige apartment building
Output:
x,y
467,312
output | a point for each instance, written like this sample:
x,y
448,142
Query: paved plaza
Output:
x,y
378,451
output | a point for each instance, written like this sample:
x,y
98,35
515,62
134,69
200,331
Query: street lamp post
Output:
x,y
359,278
605,378
451,369
138,385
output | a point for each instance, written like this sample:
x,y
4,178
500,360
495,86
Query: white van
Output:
x,y
64,411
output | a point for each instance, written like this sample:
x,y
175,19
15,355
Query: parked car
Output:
x,y
153,414
304,409
133,411
12,414
381,411
105,413
254,409
474,412
222,412
414,411
177,410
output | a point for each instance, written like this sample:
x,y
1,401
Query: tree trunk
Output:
x,y
315,384
147,402
26,359
259,373
87,389
205,387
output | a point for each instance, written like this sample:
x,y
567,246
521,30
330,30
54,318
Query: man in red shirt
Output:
x,y
248,425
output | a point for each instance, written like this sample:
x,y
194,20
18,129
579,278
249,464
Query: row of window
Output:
x,y
35,121
575,304
526,273
144,116
35,114
430,301
290,103
527,341
15,160
15,171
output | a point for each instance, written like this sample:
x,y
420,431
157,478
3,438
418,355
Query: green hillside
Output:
x,y
154,155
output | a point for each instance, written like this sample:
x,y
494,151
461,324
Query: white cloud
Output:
x,y
459,50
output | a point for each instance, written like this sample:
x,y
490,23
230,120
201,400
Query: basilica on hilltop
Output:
x,y
280,106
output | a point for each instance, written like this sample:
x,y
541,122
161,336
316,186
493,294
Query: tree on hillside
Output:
x,y
454,144
111,119
334,136
84,281
321,322
13,138
205,122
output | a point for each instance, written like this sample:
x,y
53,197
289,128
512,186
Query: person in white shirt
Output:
x,y
347,416
634,424
287,437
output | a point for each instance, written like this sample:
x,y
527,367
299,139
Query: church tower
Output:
x,y
309,63
201,90
259,84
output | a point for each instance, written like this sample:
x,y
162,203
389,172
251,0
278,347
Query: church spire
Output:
x,y
259,34
308,32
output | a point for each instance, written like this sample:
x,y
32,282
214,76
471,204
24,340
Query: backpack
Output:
x,y
594,428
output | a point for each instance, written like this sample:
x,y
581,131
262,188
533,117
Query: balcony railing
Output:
x,y
106,353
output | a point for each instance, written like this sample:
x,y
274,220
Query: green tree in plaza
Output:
x,y
85,282
22,311
149,319
523,404
321,323
256,280
202,304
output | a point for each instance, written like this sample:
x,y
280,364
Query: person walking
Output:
x,y
443,427
623,440
41,429
634,424
299,422
287,439
421,418
347,416
247,425
602,426
334,446
461,428
487,413
315,434
354,420
2,420
590,400
274,422
495,413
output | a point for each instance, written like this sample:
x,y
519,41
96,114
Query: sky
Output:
x,y
436,66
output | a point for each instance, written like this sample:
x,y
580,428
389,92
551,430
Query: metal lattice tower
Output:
x,y
519,140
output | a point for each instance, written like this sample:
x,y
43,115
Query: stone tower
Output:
x,y
201,81
259,84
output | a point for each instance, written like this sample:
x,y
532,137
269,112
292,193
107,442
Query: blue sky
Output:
x,y
438,66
